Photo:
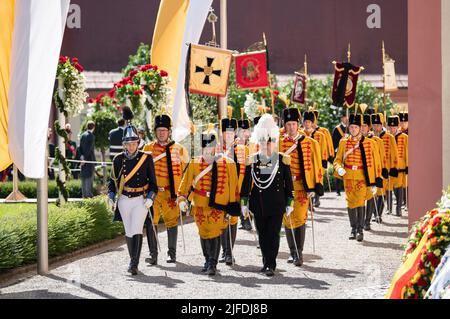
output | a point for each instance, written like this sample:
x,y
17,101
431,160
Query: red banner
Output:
x,y
345,84
299,91
251,70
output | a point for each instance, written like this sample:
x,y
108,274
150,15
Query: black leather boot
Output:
x,y
152,244
205,249
316,200
368,212
380,205
130,250
214,251
360,223
229,258
389,202
353,217
399,198
299,234
172,234
223,244
136,253
291,245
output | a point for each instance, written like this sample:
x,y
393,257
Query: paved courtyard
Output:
x,y
338,268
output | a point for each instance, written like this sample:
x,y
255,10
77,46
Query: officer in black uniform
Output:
x,y
132,189
115,139
338,133
267,190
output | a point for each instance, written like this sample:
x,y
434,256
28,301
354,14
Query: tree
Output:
x,y
141,57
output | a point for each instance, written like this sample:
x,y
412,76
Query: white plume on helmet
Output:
x,y
265,129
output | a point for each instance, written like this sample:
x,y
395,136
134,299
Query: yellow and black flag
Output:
x,y
208,70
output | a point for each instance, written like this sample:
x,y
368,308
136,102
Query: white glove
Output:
x,y
148,203
341,172
374,190
111,204
310,194
183,206
244,211
289,210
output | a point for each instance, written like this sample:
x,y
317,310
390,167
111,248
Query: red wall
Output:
x,y
425,106
112,30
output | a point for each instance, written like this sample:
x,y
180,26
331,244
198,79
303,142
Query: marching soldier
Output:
x,y
391,156
402,147
243,152
307,177
132,190
338,133
267,190
372,207
230,150
309,118
356,163
403,122
404,128
170,160
211,184
327,134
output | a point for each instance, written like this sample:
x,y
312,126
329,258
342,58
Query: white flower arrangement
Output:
x,y
444,203
251,106
71,86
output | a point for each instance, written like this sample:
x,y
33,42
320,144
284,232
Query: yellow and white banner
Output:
x,y
179,23
31,33
389,75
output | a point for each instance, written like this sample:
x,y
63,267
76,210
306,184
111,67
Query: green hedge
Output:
x,y
28,188
70,227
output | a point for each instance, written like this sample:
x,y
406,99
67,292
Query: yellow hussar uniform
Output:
x,y
165,202
358,163
402,147
170,162
329,142
358,175
399,182
307,175
391,155
209,220
320,138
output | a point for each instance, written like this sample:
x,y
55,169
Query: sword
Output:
x,y
312,224
154,229
255,234
328,178
182,230
231,240
293,236
376,210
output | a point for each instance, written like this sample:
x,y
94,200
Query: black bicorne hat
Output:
x,y
228,124
130,133
355,119
244,124
316,114
309,116
376,119
393,121
367,119
163,120
256,120
403,116
291,114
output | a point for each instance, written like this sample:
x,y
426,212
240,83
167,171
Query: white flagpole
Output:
x,y
223,101
42,221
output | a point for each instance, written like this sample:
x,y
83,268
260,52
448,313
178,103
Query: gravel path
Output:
x,y
339,268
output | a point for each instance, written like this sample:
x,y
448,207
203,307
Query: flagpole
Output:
x,y
306,81
223,101
383,51
42,220
349,56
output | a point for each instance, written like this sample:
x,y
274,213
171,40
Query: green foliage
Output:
x,y
141,57
104,122
71,227
28,188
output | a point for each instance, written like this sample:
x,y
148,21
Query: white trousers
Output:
x,y
133,214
